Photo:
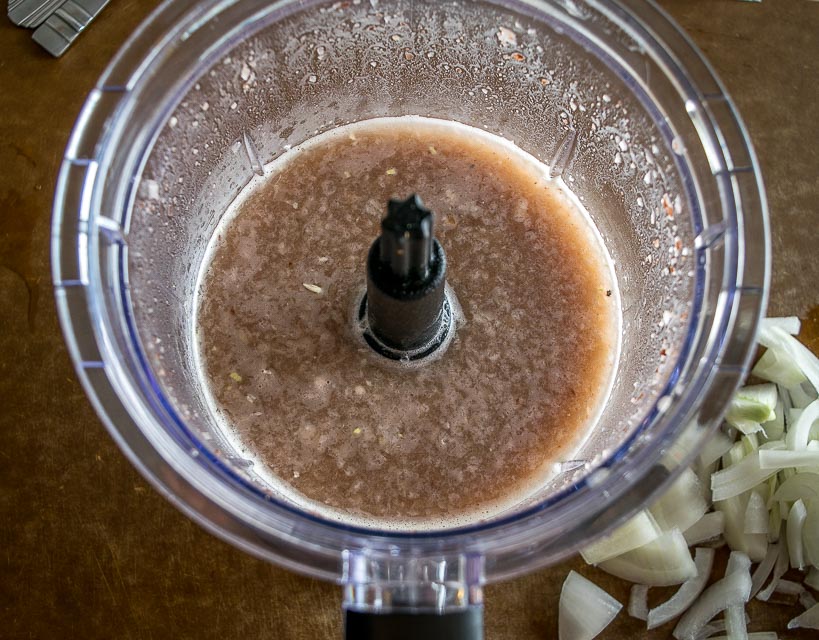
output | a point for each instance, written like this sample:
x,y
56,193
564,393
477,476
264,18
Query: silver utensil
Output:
x,y
31,13
57,22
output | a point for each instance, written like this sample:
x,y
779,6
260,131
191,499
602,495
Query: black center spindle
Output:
x,y
406,278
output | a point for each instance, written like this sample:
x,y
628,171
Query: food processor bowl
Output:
x,y
610,95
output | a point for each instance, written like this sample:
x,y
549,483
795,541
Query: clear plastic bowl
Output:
x,y
611,95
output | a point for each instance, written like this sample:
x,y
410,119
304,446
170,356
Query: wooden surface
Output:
x,y
88,550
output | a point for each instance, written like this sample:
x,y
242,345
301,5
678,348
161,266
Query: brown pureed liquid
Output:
x,y
326,420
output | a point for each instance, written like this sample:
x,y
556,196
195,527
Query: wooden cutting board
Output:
x,y
88,550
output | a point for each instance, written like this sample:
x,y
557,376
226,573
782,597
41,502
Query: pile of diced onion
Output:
x,y
755,487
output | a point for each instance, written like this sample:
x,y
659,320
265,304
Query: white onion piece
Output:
x,y
737,561
785,459
764,569
789,587
635,532
754,404
775,429
735,623
585,609
749,427
716,447
806,599
704,473
803,485
710,629
750,442
774,522
756,514
780,567
742,476
789,324
661,563
778,368
800,397
734,455
796,521
810,534
808,620
775,338
756,635
687,593
733,509
797,436
708,527
681,505
812,579
638,601
733,589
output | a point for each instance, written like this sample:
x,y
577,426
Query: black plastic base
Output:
x,y
457,625
446,325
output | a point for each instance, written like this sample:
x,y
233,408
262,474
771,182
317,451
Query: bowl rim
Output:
x,y
184,479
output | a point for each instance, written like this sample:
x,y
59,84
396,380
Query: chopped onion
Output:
x,y
704,473
796,520
775,429
808,620
716,447
806,599
810,534
778,368
661,563
734,455
800,397
764,569
682,505
749,427
585,609
788,324
710,629
750,442
735,623
638,601
717,626
780,568
774,522
789,587
771,459
731,590
812,579
803,485
755,403
756,635
778,340
635,532
740,477
768,483
737,561
756,514
708,527
687,593
733,509
798,434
